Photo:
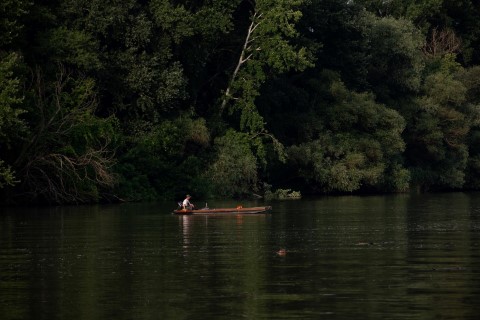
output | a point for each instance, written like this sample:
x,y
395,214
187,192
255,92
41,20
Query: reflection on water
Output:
x,y
380,257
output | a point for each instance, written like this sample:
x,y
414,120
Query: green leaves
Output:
x,y
71,47
437,136
266,51
359,149
175,21
11,99
395,60
164,159
234,172
321,94
12,12
68,154
12,127
7,176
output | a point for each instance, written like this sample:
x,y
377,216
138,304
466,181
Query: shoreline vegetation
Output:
x,y
141,101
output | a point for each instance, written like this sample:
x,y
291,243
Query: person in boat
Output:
x,y
186,204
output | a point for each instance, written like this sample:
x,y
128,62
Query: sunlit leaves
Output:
x,y
7,176
267,50
359,149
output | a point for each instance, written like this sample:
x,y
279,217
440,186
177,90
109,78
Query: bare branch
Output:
x,y
241,60
247,58
441,43
64,176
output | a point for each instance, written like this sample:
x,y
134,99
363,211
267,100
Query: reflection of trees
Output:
x,y
438,254
120,262
226,260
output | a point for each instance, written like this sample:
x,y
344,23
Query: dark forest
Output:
x,y
131,100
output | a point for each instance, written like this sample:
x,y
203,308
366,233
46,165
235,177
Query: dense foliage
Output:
x,y
140,100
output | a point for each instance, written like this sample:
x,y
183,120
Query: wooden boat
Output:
x,y
237,210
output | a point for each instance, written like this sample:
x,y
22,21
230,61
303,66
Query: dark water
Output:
x,y
379,257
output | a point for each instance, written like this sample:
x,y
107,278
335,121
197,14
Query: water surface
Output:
x,y
376,257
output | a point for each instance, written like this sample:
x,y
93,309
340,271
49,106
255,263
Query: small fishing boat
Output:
x,y
237,210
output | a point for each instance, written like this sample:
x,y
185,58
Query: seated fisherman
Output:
x,y
187,204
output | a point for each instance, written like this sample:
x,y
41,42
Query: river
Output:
x,y
373,257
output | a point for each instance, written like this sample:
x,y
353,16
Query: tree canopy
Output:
x,y
143,100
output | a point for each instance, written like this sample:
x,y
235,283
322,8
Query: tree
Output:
x,y
441,43
128,47
265,49
461,16
234,171
12,126
469,77
164,160
419,12
437,132
333,33
359,148
68,154
12,11
395,59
